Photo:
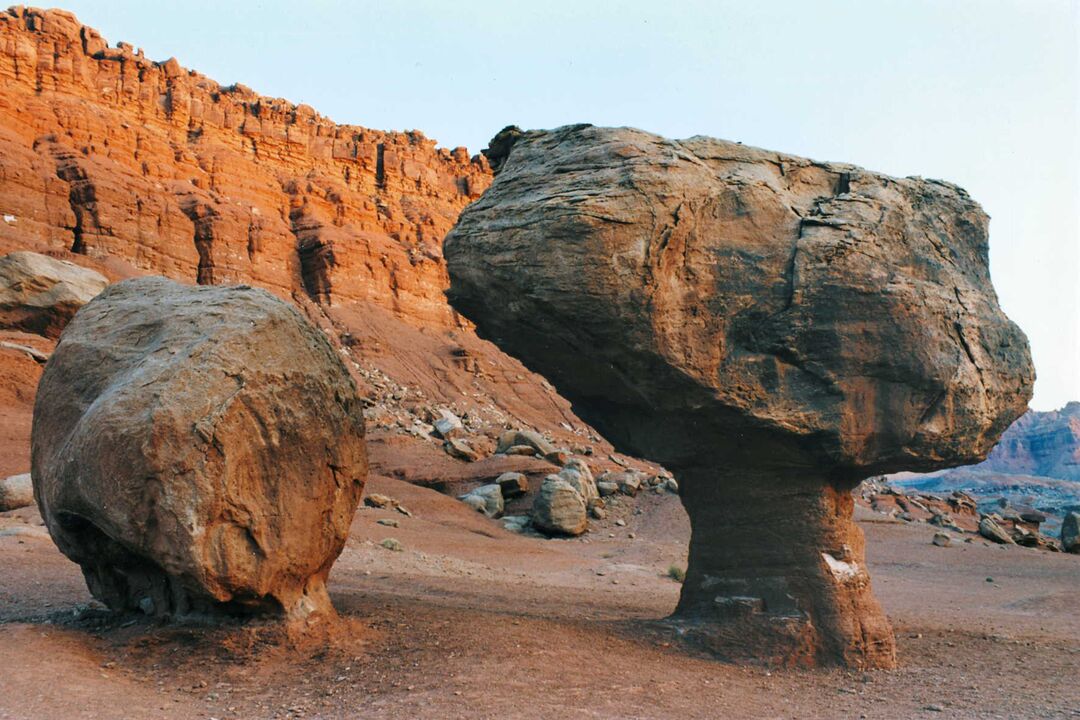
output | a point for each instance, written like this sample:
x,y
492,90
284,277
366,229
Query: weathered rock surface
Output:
x,y
198,450
1070,533
559,509
770,328
991,530
39,294
16,491
487,499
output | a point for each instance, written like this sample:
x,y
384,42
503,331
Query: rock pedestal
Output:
x,y
770,328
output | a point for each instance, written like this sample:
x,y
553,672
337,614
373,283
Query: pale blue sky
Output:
x,y
984,93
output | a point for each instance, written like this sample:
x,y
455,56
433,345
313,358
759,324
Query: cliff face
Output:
x,y
1039,443
106,153
132,167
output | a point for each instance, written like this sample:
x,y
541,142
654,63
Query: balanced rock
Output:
x,y
1070,533
40,294
198,450
769,328
559,509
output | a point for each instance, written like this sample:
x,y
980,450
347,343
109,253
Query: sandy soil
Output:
x,y
469,621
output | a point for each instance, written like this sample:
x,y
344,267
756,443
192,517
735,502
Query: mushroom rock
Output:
x,y
198,450
772,329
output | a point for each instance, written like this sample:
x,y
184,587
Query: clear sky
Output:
x,y
984,93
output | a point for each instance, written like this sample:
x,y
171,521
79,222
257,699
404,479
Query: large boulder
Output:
x,y
40,294
770,328
198,450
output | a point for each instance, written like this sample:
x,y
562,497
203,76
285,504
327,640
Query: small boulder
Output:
x,y
512,484
487,499
606,488
461,450
629,482
1070,533
447,424
40,294
993,532
942,539
15,492
559,509
528,438
527,450
577,473
476,502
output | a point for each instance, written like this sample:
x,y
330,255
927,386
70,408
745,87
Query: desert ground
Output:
x,y
471,621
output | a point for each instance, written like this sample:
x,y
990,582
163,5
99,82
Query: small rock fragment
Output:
x,y
942,539
487,499
15,492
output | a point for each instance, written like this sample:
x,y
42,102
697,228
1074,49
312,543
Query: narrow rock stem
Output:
x,y
777,572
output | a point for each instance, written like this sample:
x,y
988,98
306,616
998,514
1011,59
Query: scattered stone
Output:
x,y
490,497
606,488
598,512
376,500
476,502
512,484
620,522
557,457
389,522
447,425
1070,533
629,482
40,294
577,473
993,532
671,485
942,539
392,544
559,508
685,328
16,491
461,450
198,449
516,523
527,438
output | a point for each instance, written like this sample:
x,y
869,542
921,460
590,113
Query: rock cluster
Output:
x,y
198,450
771,329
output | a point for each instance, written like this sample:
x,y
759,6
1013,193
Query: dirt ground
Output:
x,y
469,621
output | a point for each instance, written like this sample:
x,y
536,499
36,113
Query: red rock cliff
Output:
x,y
131,167
107,153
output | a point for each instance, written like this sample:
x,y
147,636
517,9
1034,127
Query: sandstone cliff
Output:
x,y
131,167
